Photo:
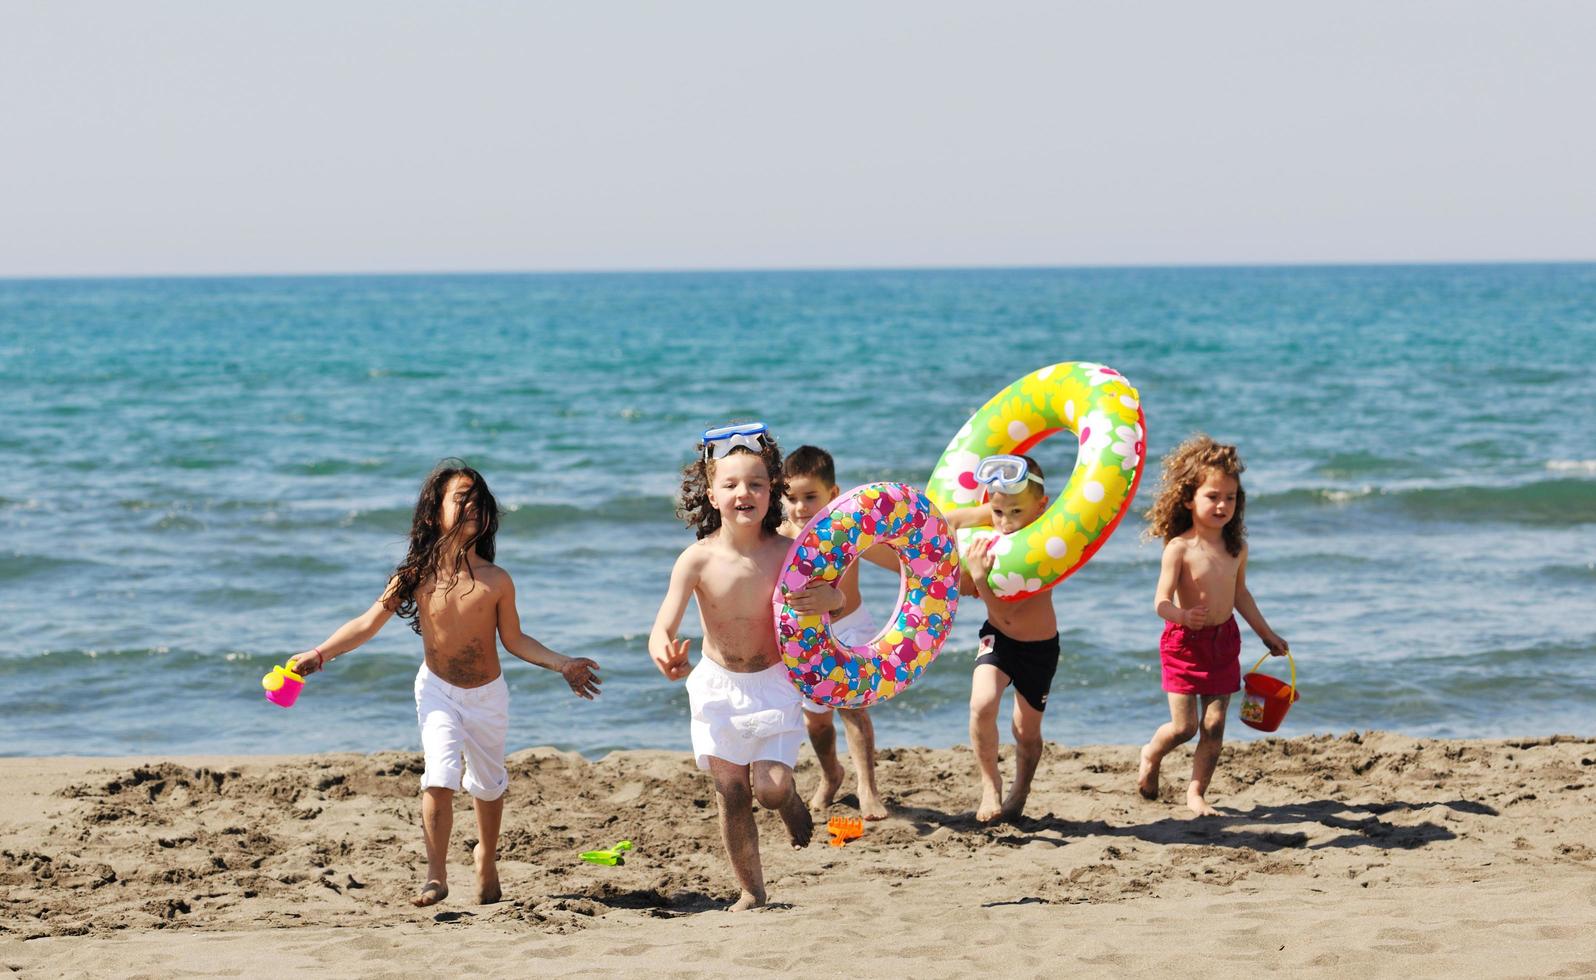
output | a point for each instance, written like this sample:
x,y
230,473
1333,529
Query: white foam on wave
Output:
x,y
1346,496
1572,466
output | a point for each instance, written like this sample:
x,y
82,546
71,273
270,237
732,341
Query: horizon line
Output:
x,y
780,269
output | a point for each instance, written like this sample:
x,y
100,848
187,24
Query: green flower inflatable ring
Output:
x,y
1104,412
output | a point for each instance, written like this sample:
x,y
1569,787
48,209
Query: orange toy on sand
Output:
x,y
844,829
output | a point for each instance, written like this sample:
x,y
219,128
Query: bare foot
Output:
x,y
871,806
989,809
748,901
1147,777
431,893
830,782
800,825
1200,806
488,890
1012,808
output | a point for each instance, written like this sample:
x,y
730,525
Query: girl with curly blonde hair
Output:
x,y
1201,584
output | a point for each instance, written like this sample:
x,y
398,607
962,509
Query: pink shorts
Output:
x,y
1201,661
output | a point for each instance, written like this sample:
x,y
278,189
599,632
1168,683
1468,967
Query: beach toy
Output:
x,y
825,670
844,829
1104,412
1267,699
611,857
282,686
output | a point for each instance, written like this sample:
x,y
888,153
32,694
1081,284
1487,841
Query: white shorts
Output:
x,y
853,630
744,718
463,725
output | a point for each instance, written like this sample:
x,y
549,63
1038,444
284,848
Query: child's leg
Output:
x,y
486,854
776,789
736,803
437,820
1027,753
862,749
823,736
1206,758
986,694
1182,725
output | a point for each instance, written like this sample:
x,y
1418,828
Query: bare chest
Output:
x,y
1212,570
458,628
738,590
458,603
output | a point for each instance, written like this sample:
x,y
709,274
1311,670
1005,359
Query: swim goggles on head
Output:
x,y
1005,474
718,443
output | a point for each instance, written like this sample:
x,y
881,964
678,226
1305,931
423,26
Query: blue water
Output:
x,y
204,476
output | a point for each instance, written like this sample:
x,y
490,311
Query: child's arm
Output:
x,y
579,672
880,554
1168,578
669,653
348,636
817,599
963,517
978,566
1249,611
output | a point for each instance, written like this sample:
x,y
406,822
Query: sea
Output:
x,y
203,476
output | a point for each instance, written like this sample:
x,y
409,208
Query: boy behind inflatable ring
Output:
x,y
811,479
1019,640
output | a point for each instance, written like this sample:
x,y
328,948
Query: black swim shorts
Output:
x,y
1028,663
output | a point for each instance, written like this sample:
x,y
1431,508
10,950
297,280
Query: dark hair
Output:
x,y
434,553
1185,468
699,511
810,461
1034,467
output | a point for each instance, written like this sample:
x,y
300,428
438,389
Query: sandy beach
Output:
x,y
1371,854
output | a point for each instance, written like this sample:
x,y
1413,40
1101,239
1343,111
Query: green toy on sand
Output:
x,y
611,857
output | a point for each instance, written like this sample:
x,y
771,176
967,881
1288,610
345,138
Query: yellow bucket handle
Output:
x,y
1293,687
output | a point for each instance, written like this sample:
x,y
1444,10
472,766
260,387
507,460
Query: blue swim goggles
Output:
x,y
718,443
1005,474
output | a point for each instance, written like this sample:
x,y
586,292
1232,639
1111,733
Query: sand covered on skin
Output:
x,y
1341,856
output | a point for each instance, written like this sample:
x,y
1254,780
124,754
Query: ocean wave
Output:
x,y
227,668
334,467
197,462
176,522
1543,502
1350,466
405,374
234,598
617,510
1312,496
1587,466
48,661
531,517
1575,574
16,566
196,514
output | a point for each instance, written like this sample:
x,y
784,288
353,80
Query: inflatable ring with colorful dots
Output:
x,y
899,516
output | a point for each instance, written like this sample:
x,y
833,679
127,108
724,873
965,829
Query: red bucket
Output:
x,y
1267,699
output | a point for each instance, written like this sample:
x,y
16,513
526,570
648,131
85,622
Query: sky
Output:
x,y
242,137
